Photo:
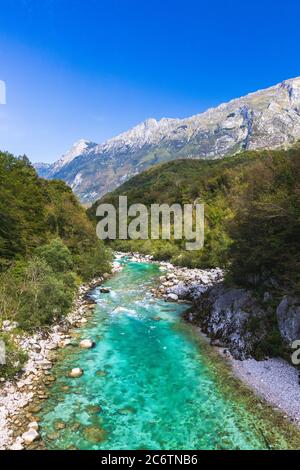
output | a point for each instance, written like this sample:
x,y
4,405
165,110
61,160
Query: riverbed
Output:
x,y
151,382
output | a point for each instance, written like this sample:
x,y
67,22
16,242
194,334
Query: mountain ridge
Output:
x,y
268,118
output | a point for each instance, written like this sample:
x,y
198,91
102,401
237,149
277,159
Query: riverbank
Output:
x,y
20,400
21,397
274,379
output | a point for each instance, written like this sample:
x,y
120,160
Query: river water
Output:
x,y
148,383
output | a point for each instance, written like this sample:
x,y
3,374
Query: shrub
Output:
x,y
56,255
15,357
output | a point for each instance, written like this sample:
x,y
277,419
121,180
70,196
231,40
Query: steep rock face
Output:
x,y
82,147
266,119
233,317
288,316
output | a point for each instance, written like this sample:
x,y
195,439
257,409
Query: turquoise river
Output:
x,y
150,381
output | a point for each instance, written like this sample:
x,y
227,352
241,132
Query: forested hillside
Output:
x,y
48,246
252,213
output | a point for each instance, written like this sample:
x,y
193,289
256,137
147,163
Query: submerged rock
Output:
x,y
126,411
101,373
104,290
53,436
35,409
59,425
94,434
94,409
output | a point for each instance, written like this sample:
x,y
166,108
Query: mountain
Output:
x,y
42,169
269,118
252,214
82,147
183,181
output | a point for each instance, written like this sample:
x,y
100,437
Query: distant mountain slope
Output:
x,y
184,181
269,118
252,214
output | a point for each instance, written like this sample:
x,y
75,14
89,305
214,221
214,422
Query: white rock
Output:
x,y
76,372
52,346
86,344
30,436
17,446
173,297
33,425
65,342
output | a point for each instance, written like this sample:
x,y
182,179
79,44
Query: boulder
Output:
x,y
104,290
30,436
87,344
173,297
76,372
288,317
33,425
232,318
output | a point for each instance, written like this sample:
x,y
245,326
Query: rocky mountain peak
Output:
x,y
81,147
268,118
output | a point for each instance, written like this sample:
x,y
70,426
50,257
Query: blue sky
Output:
x,y
93,68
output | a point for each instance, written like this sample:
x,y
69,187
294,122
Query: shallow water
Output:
x,y
147,384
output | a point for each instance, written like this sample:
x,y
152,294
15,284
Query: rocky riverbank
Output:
x,y
235,323
275,380
225,315
21,397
